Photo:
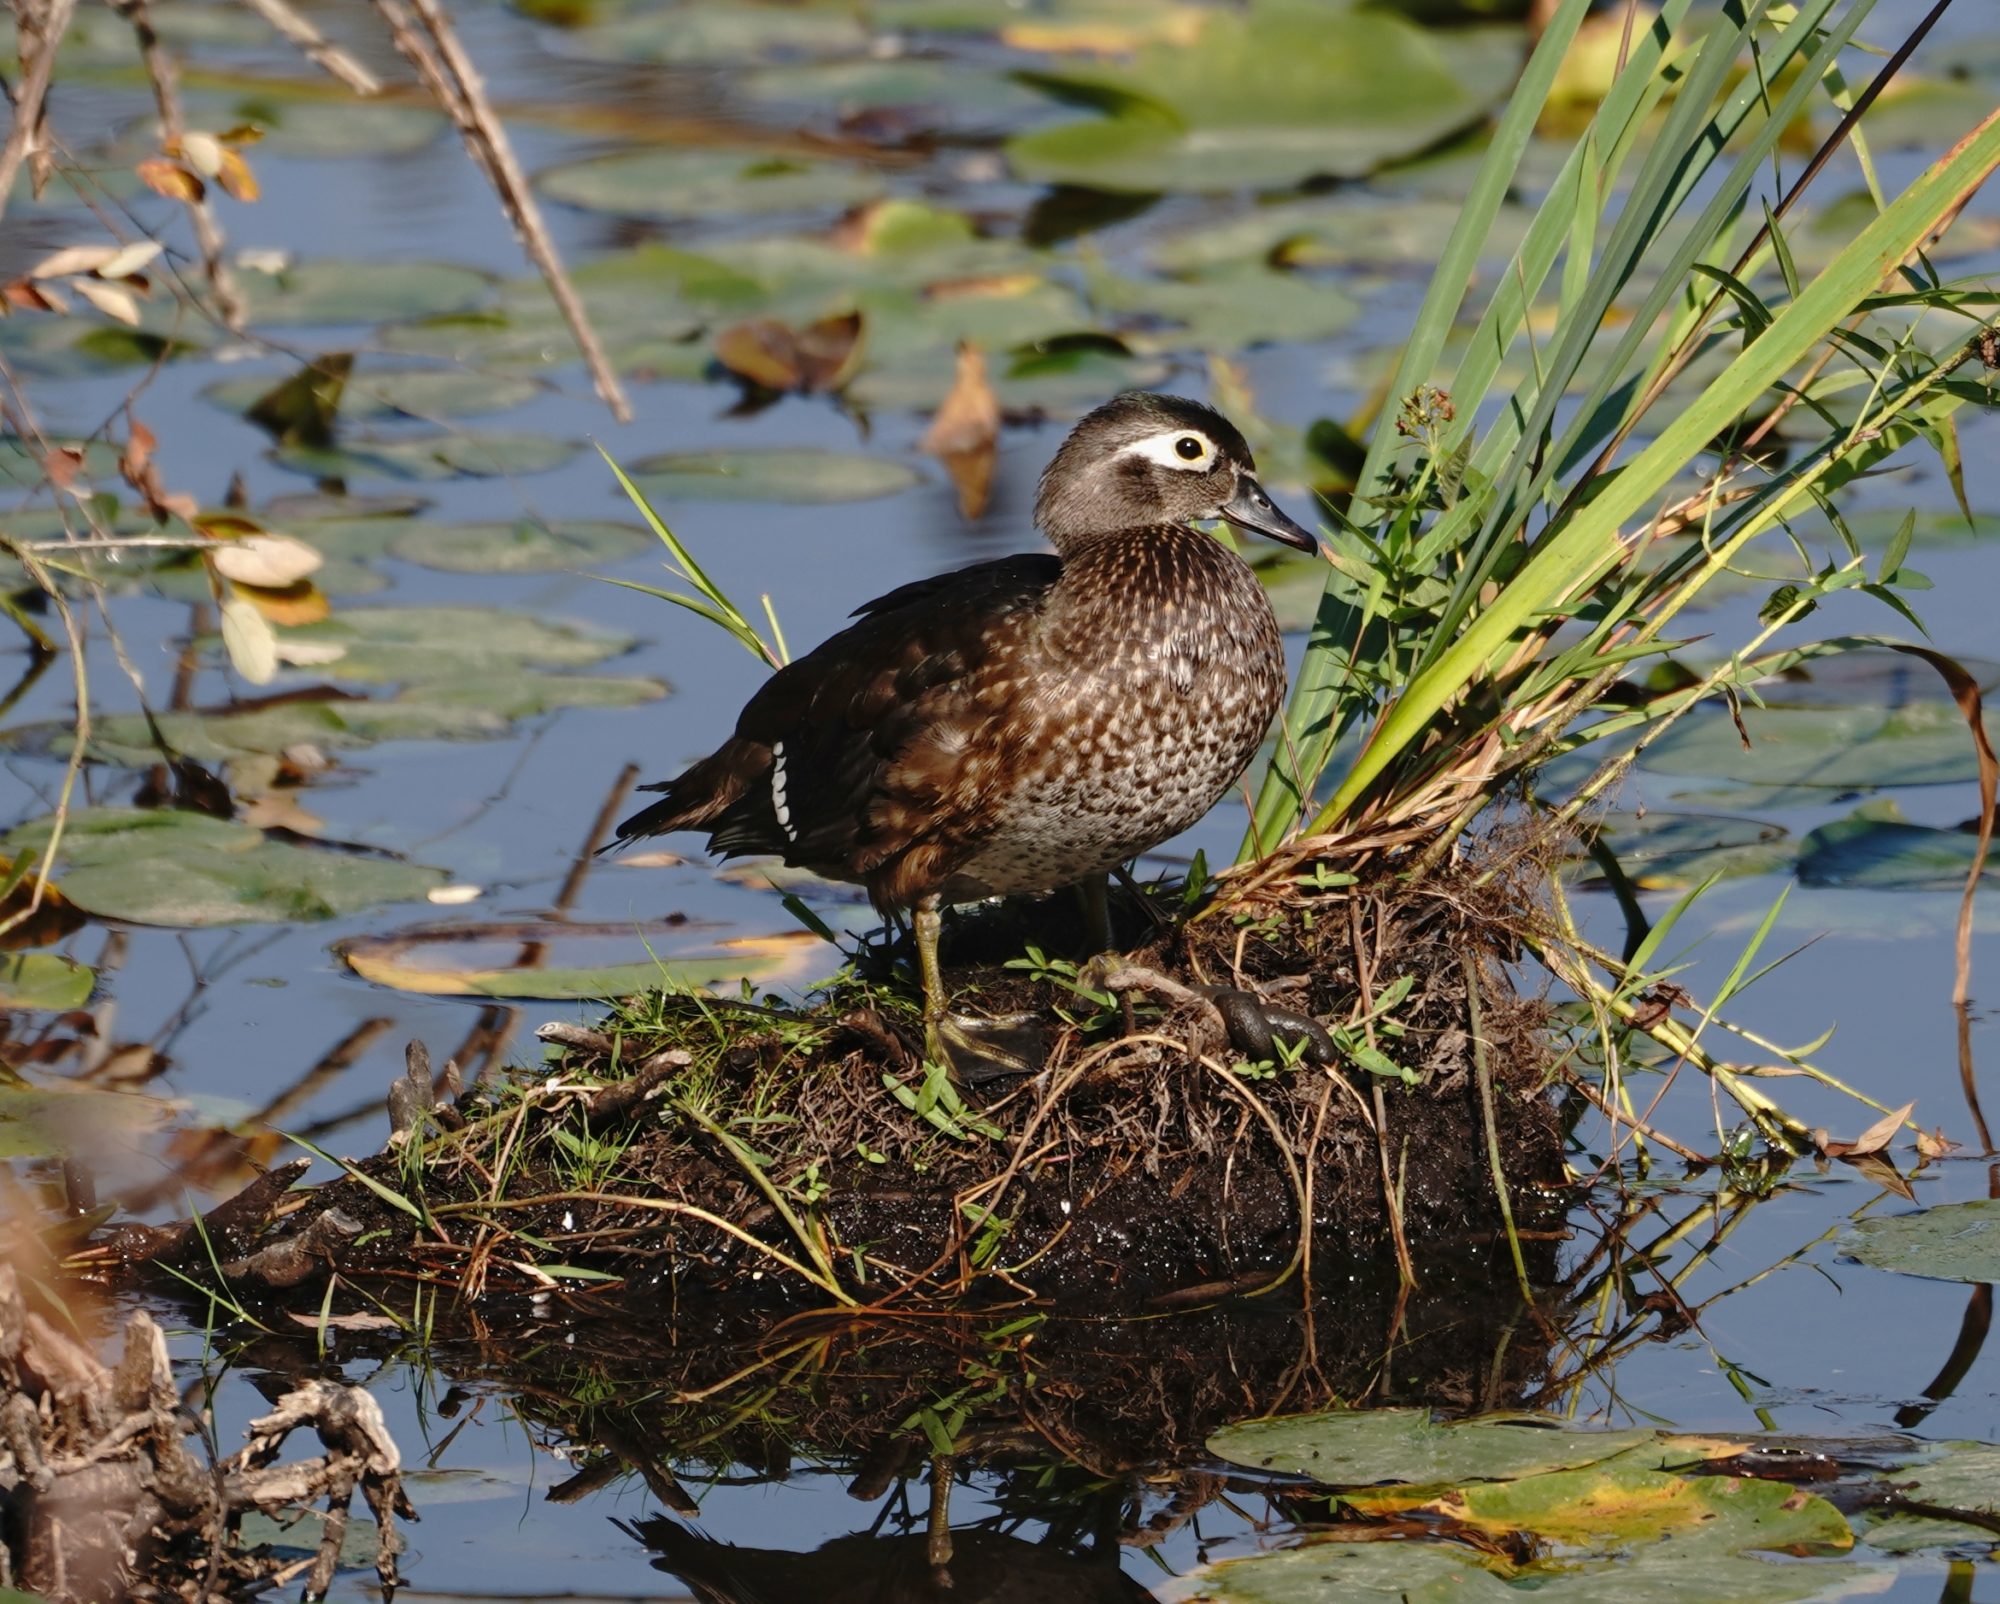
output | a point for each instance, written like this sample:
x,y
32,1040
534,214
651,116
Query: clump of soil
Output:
x,y
693,1145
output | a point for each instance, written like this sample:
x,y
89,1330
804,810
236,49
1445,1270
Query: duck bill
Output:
x,y
1250,508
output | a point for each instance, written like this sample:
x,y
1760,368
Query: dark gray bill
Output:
x,y
1250,508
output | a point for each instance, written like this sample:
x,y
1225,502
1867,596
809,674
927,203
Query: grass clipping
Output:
x,y
695,1143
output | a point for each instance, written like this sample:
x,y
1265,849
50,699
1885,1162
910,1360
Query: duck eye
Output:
x,y
1188,447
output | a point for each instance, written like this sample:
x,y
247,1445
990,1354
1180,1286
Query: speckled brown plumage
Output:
x,y
1027,723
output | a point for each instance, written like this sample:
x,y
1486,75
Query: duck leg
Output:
x,y
926,921
971,1050
1095,895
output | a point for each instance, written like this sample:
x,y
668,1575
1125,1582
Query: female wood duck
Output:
x,y
1026,723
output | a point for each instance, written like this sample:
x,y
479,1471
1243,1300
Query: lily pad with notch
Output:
x,y
189,871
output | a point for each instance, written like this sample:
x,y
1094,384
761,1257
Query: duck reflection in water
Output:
x,y
978,1567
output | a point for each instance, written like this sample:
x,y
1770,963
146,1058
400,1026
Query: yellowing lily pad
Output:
x,y
492,961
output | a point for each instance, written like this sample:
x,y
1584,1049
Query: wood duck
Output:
x,y
1027,723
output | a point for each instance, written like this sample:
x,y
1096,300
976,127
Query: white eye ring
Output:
x,y
1165,449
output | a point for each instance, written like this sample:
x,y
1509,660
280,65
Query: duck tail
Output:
x,y
698,797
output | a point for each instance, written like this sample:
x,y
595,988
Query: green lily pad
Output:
x,y
362,292
371,394
706,183
527,546
1334,231
718,34
458,455
1286,92
1886,854
470,709
770,473
1966,1476
958,94
1361,1447
452,643
299,125
1063,381
1227,309
1923,743
1659,849
47,1124
1420,1573
1950,1242
188,871
21,466
44,980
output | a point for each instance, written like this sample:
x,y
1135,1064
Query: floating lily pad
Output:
x,y
1887,854
44,980
295,125
21,464
461,454
1342,230
453,643
1951,1242
720,32
482,961
362,292
1659,850
47,1124
707,183
1923,743
1360,1447
958,94
1966,1476
527,546
1289,91
770,473
1615,1506
188,871
375,393
1227,309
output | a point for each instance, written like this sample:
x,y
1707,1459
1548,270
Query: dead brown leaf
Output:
x,y
817,358
235,177
1884,1174
1935,1144
965,433
1873,1140
170,179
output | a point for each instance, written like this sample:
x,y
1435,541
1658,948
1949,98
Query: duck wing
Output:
x,y
849,761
